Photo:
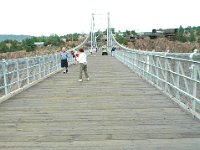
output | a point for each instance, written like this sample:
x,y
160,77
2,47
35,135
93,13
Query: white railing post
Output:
x,y
193,69
166,71
18,78
40,72
4,76
49,64
56,62
27,70
177,83
148,60
157,72
133,60
194,87
44,63
34,69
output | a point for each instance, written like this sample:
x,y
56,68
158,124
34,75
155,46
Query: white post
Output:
x,y
40,75
18,78
4,76
108,39
27,71
92,30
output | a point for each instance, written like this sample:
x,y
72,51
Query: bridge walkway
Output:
x,y
116,109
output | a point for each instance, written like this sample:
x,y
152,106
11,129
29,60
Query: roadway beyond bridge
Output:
x,y
115,110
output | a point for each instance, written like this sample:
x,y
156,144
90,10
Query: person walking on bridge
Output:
x,y
82,59
113,51
64,61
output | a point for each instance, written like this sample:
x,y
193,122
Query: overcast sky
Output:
x,y
46,17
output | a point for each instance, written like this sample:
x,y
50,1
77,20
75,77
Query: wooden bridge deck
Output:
x,y
115,110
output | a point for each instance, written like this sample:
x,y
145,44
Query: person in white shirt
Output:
x,y
82,59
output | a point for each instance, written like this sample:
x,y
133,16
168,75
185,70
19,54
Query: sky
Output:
x,y
61,17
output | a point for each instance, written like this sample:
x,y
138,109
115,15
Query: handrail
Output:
x,y
19,74
177,75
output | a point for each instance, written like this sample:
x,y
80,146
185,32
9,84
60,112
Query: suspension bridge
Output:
x,y
134,100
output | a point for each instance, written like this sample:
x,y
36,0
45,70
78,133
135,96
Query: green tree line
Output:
x,y
189,34
28,43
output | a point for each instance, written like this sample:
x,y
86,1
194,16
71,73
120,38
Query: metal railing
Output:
x,y
177,77
18,74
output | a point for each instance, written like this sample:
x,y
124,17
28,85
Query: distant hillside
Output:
x,y
13,37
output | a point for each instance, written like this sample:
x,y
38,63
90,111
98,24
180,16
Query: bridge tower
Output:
x,y
93,34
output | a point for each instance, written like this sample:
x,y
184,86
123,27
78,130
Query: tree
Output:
x,y
133,32
127,33
121,40
3,47
198,31
54,40
28,44
180,36
192,36
113,30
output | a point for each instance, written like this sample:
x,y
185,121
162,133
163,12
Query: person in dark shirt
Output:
x,y
64,61
113,51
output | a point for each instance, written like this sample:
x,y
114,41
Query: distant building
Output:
x,y
63,39
170,33
39,44
167,33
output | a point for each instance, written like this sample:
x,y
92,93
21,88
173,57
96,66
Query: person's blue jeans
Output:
x,y
112,53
